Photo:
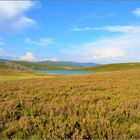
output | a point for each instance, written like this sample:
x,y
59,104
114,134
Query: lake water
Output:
x,y
62,72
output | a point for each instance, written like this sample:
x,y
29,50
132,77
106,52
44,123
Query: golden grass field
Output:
x,y
95,106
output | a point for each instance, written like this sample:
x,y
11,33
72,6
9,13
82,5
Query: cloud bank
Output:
x,y
13,16
117,28
120,48
136,12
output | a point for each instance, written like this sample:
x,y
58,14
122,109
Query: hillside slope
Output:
x,y
68,64
114,67
49,65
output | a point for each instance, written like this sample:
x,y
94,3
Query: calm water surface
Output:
x,y
62,72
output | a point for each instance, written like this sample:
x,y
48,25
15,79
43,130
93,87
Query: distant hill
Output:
x,y
3,60
50,65
114,67
68,64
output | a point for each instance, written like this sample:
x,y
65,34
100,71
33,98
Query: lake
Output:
x,y
62,72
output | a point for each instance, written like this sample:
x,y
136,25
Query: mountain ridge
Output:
x,y
50,65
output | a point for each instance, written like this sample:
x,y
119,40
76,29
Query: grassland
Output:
x,y
97,106
11,74
7,73
114,67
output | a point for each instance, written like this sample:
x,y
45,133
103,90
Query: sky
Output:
x,y
99,31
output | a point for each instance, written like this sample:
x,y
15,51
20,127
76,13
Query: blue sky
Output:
x,y
85,31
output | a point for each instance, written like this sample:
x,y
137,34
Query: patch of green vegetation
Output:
x,y
23,76
14,74
113,67
3,65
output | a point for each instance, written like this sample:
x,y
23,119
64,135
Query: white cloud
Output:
x,y
28,56
118,28
136,12
1,52
44,42
104,53
123,29
23,22
119,48
80,29
13,15
77,28
101,49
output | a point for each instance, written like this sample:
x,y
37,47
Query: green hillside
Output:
x,y
114,67
3,65
33,65
25,65
49,65
11,73
68,64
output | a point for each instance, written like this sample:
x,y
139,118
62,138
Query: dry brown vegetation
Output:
x,y
97,106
